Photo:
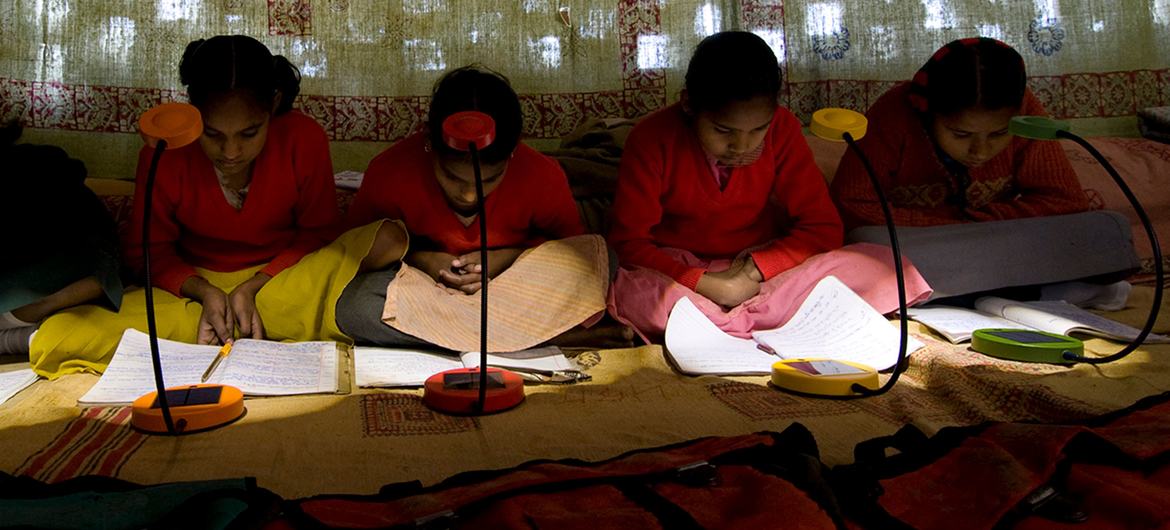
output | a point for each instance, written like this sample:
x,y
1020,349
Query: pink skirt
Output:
x,y
642,298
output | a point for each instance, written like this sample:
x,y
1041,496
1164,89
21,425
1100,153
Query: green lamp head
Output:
x,y
1037,127
832,124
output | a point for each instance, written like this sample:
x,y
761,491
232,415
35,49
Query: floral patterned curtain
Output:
x,y
78,73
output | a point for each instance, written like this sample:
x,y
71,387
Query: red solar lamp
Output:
x,y
480,390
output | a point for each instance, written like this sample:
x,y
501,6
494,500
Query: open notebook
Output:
x,y
387,367
256,367
957,324
832,323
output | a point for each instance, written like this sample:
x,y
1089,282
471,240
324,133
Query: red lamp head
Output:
x,y
464,129
176,123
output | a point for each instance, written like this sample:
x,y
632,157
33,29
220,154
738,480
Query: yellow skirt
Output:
x,y
298,304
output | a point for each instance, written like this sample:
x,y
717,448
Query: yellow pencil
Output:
x,y
223,352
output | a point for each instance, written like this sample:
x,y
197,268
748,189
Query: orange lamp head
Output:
x,y
178,124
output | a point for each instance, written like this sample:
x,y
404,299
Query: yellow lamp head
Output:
x,y
832,124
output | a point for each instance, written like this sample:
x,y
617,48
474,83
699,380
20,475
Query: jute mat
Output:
x,y
300,446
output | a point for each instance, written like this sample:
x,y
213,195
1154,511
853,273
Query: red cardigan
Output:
x,y
531,204
1027,179
667,196
289,212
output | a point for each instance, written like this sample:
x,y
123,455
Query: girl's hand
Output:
x,y
217,322
733,286
467,270
498,261
243,305
437,265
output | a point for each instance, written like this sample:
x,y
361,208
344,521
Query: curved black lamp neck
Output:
x,y
1154,246
896,249
151,327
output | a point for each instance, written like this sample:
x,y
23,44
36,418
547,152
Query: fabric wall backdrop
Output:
x,y
78,73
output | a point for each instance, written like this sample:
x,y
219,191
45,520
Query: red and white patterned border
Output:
x,y
1088,95
290,17
51,105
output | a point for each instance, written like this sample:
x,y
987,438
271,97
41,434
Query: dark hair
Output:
x,y
969,73
221,64
731,66
475,87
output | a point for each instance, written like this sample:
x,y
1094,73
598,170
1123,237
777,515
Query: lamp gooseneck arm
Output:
x,y
483,278
152,328
896,249
1154,246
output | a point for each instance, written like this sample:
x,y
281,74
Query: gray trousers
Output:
x,y
975,257
359,312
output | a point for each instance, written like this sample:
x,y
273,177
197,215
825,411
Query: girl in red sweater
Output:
x,y
941,149
719,200
237,219
430,187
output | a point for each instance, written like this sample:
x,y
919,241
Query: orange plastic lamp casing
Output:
x,y
177,123
188,418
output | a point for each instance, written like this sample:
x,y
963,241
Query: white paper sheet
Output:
x,y
387,367
548,359
697,346
957,323
832,323
1056,316
836,323
394,367
13,382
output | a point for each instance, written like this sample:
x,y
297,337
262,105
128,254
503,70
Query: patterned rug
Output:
x,y
299,446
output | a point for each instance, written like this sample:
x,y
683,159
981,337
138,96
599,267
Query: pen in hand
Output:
x,y
223,353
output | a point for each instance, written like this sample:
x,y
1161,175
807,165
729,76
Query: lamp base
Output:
x,y
457,391
1028,346
822,377
194,408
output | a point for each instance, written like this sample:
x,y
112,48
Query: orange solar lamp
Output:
x,y
191,408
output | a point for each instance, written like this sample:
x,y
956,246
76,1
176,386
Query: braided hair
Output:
x,y
213,67
969,73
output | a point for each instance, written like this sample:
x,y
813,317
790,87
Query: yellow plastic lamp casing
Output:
x,y
832,124
789,375
177,123
188,418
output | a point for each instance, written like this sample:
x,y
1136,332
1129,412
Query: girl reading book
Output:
x,y
719,200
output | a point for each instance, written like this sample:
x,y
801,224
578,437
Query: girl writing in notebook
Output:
x,y
719,200
237,222
431,188
941,149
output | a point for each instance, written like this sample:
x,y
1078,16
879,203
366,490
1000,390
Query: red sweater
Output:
x,y
531,204
1028,178
289,211
667,196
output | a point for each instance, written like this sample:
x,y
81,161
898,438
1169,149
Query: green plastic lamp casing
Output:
x,y
1037,127
1026,345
